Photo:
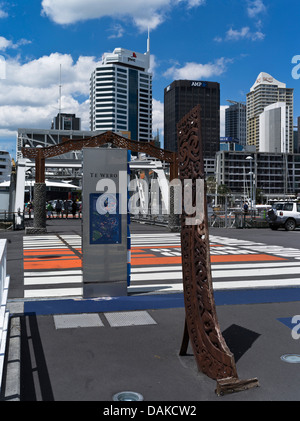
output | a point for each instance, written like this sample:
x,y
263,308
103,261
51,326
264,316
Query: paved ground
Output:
x,y
88,350
62,362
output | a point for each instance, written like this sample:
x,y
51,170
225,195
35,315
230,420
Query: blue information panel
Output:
x,y
105,220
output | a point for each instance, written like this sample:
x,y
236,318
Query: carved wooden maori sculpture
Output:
x,y
201,325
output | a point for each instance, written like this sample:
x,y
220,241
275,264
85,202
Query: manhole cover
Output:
x,y
127,396
291,358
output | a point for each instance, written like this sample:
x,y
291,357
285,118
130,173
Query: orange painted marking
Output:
x,y
33,259
144,255
137,251
50,264
48,253
173,260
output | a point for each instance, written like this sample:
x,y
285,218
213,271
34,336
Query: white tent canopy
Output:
x,y
30,183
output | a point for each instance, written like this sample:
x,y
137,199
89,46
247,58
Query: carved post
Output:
x,y
212,355
39,222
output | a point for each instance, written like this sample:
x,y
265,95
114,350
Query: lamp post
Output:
x,y
250,158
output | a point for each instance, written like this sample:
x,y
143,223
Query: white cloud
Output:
x,y
7,133
255,7
144,22
197,70
153,64
243,33
194,3
6,43
117,31
3,14
157,116
29,94
143,13
233,34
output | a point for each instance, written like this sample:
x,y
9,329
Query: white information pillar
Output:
x,y
104,226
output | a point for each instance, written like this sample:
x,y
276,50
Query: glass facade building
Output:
x,y
274,174
235,122
180,98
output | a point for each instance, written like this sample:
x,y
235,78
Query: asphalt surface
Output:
x,y
71,350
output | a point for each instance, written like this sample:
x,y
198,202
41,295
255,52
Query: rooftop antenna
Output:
x,y
148,48
59,106
148,41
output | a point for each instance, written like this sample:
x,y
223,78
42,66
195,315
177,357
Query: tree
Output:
x,y
223,191
211,185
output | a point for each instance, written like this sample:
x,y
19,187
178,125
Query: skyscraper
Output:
x,y
264,92
235,121
180,98
121,94
273,128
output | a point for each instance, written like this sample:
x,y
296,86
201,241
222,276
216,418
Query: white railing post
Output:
x,y
3,250
4,313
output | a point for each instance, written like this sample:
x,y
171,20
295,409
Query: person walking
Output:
x,y
58,208
245,210
49,210
66,208
74,208
29,207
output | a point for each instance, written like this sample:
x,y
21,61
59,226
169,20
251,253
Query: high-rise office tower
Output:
x,y
180,98
235,121
264,92
121,94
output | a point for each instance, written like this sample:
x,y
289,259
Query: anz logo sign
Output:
x,y
199,84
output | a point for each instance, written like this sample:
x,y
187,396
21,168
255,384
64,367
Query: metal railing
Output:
x,y
151,219
251,219
11,220
4,313
217,219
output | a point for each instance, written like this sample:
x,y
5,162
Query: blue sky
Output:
x,y
227,41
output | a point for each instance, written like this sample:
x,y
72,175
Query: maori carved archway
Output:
x,y
212,355
68,145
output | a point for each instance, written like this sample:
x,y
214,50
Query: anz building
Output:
x,y
180,98
121,94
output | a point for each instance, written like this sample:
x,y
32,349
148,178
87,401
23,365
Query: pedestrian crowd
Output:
x,y
63,209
